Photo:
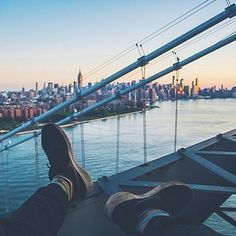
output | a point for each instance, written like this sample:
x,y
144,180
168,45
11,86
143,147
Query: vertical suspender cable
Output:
x,y
176,110
73,137
118,144
143,71
145,134
36,148
82,145
36,144
6,180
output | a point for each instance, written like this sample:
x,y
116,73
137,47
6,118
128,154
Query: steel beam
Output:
x,y
217,154
209,165
227,218
229,209
198,187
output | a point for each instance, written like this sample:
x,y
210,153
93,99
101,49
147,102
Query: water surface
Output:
x,y
22,171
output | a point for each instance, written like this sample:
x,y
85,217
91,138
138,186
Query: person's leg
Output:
x,y
174,226
154,213
164,200
44,212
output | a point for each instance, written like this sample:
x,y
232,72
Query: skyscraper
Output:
x,y
195,88
80,80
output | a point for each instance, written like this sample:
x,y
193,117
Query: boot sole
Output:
x,y
120,197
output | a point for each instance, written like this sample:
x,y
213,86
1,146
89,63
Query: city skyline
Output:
x,y
23,105
42,41
36,86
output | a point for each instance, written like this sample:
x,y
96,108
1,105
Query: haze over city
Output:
x,y
51,40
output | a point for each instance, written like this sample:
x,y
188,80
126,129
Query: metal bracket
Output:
x,y
177,66
231,10
142,61
108,186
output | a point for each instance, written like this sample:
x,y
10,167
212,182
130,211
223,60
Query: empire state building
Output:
x,y
80,80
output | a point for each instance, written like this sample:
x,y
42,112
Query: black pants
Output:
x,y
44,212
41,215
171,226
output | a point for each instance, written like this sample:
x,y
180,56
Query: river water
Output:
x,y
22,171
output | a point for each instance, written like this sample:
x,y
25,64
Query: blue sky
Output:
x,y
49,40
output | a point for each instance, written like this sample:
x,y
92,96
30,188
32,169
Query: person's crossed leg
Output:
x,y
155,213
150,214
44,212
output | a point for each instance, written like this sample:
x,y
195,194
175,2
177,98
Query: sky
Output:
x,y
49,41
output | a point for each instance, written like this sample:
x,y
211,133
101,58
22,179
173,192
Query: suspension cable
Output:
x,y
118,144
36,144
173,23
176,100
151,36
228,2
143,71
192,42
176,111
187,44
82,145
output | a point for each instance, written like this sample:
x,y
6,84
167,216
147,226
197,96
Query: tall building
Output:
x,y
36,86
75,87
195,88
80,80
50,85
173,81
182,84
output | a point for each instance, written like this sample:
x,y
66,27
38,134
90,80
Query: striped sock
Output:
x,y
146,216
65,184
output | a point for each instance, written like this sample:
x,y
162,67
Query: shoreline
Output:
x,y
74,123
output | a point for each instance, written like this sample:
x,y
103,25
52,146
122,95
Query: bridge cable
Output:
x,y
143,72
36,145
118,144
185,45
36,150
228,2
6,179
82,144
192,42
160,31
151,36
176,100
